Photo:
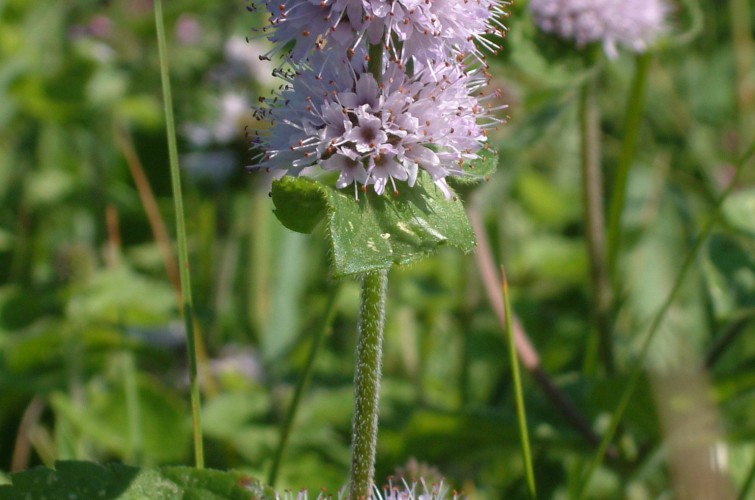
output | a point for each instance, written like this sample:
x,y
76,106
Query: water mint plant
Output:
x,y
387,96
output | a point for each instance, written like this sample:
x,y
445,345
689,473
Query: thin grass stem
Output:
x,y
133,409
183,257
637,369
744,493
301,386
521,415
632,119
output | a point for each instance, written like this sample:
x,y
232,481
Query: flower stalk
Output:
x,y
367,383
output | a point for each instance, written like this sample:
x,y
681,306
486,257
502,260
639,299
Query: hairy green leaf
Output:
x,y
375,232
89,481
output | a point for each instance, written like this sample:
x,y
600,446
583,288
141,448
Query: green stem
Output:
x,y
133,410
188,308
520,411
631,128
747,485
306,376
375,63
367,383
656,323
592,189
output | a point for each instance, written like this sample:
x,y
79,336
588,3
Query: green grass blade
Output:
x,y
521,415
744,494
183,257
304,379
133,410
632,119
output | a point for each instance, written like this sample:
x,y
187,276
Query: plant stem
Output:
x,y
727,337
748,482
188,307
367,383
133,409
520,411
656,323
592,187
306,376
631,127
375,63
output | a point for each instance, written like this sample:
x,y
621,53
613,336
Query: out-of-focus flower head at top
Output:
x,y
634,24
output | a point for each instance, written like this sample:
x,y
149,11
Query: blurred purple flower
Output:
x,y
630,23
188,29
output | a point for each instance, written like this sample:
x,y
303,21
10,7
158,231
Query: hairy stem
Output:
x,y
367,383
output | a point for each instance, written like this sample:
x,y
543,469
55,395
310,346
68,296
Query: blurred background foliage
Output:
x,y
92,361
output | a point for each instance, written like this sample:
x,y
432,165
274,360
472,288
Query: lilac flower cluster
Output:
x,y
632,23
392,491
420,106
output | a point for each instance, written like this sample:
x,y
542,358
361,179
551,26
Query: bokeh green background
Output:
x,y
92,358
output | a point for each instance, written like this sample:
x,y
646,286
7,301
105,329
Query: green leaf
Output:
x,y
375,231
739,209
105,419
729,268
86,480
118,296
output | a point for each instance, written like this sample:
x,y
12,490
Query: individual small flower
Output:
x,y
334,115
631,23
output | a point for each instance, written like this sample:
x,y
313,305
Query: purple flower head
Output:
x,y
334,115
419,107
631,23
421,29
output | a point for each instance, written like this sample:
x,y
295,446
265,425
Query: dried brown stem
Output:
x,y
22,447
147,196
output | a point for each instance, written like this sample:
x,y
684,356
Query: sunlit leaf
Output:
x,y
739,210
